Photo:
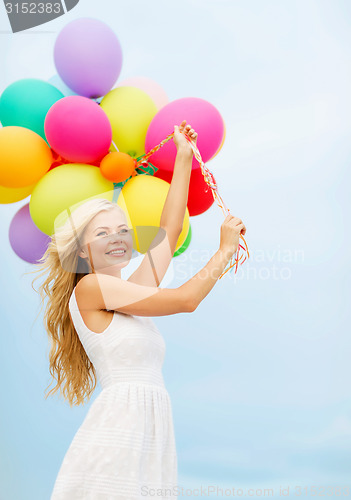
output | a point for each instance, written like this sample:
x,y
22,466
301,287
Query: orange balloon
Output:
x,y
117,166
11,195
24,157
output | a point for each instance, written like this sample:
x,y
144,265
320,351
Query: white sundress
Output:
x,y
125,448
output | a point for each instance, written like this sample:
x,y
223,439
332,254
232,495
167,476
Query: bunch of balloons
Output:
x,y
77,136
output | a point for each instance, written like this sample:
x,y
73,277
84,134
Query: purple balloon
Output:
x,y
27,241
88,57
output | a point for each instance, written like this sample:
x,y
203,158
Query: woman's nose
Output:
x,y
116,236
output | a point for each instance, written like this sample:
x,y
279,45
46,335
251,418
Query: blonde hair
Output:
x,y
69,364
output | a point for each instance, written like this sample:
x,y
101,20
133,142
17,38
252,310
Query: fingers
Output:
x,y
187,129
242,229
190,131
182,126
236,222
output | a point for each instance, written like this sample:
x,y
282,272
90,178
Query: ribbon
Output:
x,y
210,181
144,166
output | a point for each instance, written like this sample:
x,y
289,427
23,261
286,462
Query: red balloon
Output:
x,y
166,175
200,196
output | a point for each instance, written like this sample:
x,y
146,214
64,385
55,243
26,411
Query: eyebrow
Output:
x,y
105,227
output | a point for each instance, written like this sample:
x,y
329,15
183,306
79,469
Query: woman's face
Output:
x,y
110,240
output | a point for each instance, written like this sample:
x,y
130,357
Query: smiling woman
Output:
x,y
96,240
126,351
116,250
78,248
99,324
104,244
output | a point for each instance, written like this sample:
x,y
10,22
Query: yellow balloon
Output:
x,y
62,188
142,198
24,157
130,111
11,195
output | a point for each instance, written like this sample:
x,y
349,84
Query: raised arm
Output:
x,y
103,291
158,258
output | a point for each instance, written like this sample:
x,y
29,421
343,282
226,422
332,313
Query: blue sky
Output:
x,y
259,374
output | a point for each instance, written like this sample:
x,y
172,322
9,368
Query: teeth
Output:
x,y
117,252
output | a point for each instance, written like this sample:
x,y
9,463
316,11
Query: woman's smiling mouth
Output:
x,y
118,252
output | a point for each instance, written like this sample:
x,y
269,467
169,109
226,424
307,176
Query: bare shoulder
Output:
x,y
88,293
96,318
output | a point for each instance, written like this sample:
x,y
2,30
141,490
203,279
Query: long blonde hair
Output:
x,y
69,364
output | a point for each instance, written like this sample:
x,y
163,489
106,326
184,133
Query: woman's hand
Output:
x,y
179,139
231,229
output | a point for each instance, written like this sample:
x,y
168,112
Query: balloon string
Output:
x,y
210,181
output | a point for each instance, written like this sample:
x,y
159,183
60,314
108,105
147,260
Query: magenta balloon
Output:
x,y
26,240
88,57
78,129
200,114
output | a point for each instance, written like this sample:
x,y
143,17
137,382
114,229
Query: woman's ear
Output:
x,y
82,254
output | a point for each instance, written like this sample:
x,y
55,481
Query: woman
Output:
x,y
99,324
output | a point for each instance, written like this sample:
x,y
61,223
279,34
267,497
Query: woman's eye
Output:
x,y
102,232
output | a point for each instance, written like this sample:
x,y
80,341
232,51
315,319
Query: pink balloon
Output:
x,y
200,114
78,129
152,88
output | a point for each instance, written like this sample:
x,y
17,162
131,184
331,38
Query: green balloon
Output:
x,y
26,102
185,244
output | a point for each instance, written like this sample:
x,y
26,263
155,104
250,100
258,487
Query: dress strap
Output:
x,y
78,320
